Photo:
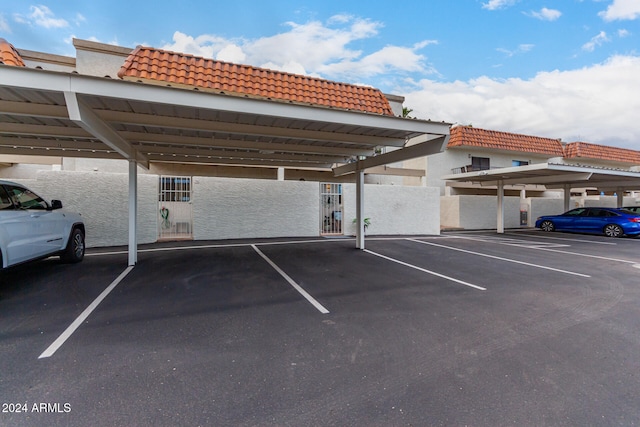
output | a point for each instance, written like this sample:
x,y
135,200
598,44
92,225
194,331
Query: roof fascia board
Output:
x,y
578,177
433,146
89,121
595,170
550,179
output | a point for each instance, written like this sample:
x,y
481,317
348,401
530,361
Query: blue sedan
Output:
x,y
608,221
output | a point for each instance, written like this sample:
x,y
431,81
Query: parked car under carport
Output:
x,y
31,228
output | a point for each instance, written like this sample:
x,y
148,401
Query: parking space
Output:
x,y
459,329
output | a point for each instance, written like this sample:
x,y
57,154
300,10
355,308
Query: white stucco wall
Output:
x,y
609,202
103,201
478,212
539,206
394,209
229,208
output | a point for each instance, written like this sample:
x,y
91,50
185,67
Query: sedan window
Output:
x,y
577,212
26,199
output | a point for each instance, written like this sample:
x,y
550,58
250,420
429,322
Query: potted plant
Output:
x,y
366,221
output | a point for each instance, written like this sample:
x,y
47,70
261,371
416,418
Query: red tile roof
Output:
x,y
9,55
155,65
586,150
467,136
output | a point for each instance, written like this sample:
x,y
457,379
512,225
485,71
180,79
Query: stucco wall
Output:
x,y
394,209
479,212
229,208
539,206
226,208
103,201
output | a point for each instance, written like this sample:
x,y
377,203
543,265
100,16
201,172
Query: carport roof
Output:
x,y
554,175
72,115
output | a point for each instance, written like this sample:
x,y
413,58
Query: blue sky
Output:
x,y
563,69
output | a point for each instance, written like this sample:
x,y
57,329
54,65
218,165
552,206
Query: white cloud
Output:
x,y
498,4
595,104
622,33
4,25
314,48
621,10
597,40
204,45
44,17
523,48
232,53
546,14
79,19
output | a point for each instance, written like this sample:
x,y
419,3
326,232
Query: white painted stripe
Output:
x,y
593,242
502,259
425,270
297,287
83,316
587,255
224,245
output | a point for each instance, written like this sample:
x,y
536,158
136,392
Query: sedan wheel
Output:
x,y
613,230
547,226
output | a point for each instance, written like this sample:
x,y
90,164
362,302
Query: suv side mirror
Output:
x,y
56,204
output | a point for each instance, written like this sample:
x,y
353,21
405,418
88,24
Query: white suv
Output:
x,y
31,228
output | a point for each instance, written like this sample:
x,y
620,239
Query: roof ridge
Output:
x,y
253,67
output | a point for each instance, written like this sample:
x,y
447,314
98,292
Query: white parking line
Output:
x,y
589,256
425,270
297,287
551,248
567,239
502,259
83,316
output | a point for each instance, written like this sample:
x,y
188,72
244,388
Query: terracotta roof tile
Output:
x,y
466,136
9,55
146,63
586,150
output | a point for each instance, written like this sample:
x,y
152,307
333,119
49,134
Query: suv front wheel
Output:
x,y
74,252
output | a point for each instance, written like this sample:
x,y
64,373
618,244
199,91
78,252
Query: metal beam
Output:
x,y
133,212
386,170
549,179
89,121
360,209
433,146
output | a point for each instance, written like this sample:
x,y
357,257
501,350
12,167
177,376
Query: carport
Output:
x,y
552,175
47,113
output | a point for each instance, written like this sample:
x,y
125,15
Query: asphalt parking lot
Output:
x,y
476,329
